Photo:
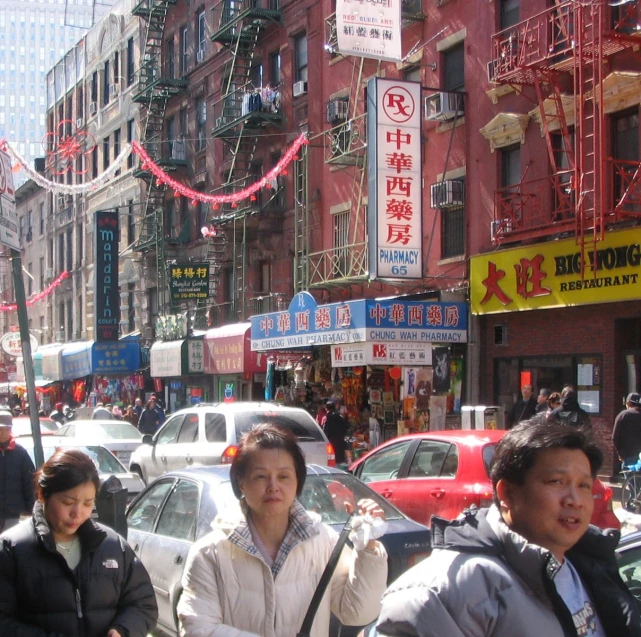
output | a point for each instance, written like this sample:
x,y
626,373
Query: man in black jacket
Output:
x,y
336,430
16,476
524,408
626,435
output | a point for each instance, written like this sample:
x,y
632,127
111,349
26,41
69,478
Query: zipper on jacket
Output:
x,y
78,604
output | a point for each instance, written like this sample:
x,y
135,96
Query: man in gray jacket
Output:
x,y
529,566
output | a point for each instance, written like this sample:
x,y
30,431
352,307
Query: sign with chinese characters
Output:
x,y
379,320
11,343
86,357
166,359
106,293
9,235
369,29
188,281
395,244
549,275
355,354
195,356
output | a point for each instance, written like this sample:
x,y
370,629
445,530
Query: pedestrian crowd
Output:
x,y
530,565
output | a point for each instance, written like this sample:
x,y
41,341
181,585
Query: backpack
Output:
x,y
573,418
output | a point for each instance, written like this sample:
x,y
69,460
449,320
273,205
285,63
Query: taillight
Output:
x,y
331,456
229,454
607,498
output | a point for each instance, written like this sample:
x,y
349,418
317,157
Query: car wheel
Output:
x,y
631,493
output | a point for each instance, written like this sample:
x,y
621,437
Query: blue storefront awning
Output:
x,y
87,357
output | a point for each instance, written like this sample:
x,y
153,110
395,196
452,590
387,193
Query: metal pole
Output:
x,y
23,322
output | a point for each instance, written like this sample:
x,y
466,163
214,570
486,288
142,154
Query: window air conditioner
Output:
x,y
499,228
221,121
49,274
61,201
80,122
113,90
492,71
300,88
337,110
93,108
200,56
449,193
443,107
29,236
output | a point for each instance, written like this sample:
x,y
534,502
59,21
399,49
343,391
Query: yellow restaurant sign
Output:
x,y
549,274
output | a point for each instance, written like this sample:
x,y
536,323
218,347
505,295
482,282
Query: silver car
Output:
x,y
208,434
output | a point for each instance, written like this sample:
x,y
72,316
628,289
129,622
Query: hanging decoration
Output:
x,y
38,296
180,189
68,189
65,147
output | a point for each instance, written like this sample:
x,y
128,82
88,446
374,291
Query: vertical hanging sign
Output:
x,y
395,237
106,293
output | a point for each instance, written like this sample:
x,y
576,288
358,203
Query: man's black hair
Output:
x,y
518,450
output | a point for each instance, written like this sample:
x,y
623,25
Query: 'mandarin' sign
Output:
x,y
106,295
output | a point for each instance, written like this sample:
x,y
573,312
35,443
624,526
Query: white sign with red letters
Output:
x,y
394,178
369,353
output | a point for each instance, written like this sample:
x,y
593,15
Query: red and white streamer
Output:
x,y
38,296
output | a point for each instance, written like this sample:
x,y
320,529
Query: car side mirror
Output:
x,y
147,439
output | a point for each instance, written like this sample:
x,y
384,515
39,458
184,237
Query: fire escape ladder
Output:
x,y
240,262
589,124
301,222
215,250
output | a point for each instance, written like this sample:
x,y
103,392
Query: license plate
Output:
x,y
124,457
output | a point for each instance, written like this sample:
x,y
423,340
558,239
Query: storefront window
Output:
x,y
551,372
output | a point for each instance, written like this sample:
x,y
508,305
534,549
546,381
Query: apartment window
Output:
x,y
106,78
94,162
200,32
80,252
94,86
70,319
41,273
257,75
131,223
340,243
510,165
300,58
413,74
131,310
184,54
61,253
265,273
116,67
29,279
41,219
625,151
453,68
169,57
201,121
80,103
203,213
452,232
69,253
131,65
22,231
170,132
508,13
274,68
117,146
105,153
50,253
130,138
29,225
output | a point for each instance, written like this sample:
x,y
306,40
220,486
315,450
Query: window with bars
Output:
x,y
131,63
340,267
300,58
201,121
184,52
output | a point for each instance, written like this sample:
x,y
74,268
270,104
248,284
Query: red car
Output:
x,y
443,472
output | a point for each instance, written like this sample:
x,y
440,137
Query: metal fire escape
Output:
x,y
240,119
153,91
565,49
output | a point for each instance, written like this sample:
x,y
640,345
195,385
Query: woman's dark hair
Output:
x,y
518,450
66,469
554,398
266,436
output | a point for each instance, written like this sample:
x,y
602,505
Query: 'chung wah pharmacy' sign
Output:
x,y
395,247
369,28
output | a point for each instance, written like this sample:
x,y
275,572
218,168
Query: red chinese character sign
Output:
x,y
394,178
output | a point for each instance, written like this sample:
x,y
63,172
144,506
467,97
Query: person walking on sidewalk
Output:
x,y
626,435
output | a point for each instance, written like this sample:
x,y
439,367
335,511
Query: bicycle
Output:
x,y
631,488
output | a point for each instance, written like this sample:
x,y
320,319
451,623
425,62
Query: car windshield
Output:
x,y
115,431
325,494
104,460
300,423
488,455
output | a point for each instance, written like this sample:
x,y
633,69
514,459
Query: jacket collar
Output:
x,y
11,444
91,535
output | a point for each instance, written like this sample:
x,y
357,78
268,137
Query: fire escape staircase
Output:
x,y
239,122
153,91
571,39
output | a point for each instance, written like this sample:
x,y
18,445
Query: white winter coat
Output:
x,y
229,592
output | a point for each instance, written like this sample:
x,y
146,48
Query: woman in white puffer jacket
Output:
x,y
256,573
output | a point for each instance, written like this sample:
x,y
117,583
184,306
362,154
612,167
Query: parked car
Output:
x,y
208,434
178,508
443,472
106,463
629,556
119,436
22,427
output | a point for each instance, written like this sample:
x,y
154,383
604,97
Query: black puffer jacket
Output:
x,y
42,597
16,481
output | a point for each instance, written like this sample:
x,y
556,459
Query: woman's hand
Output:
x,y
367,505
113,633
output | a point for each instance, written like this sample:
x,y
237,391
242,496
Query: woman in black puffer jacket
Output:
x,y
63,575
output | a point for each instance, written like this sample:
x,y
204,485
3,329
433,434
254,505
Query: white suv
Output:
x,y
208,434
